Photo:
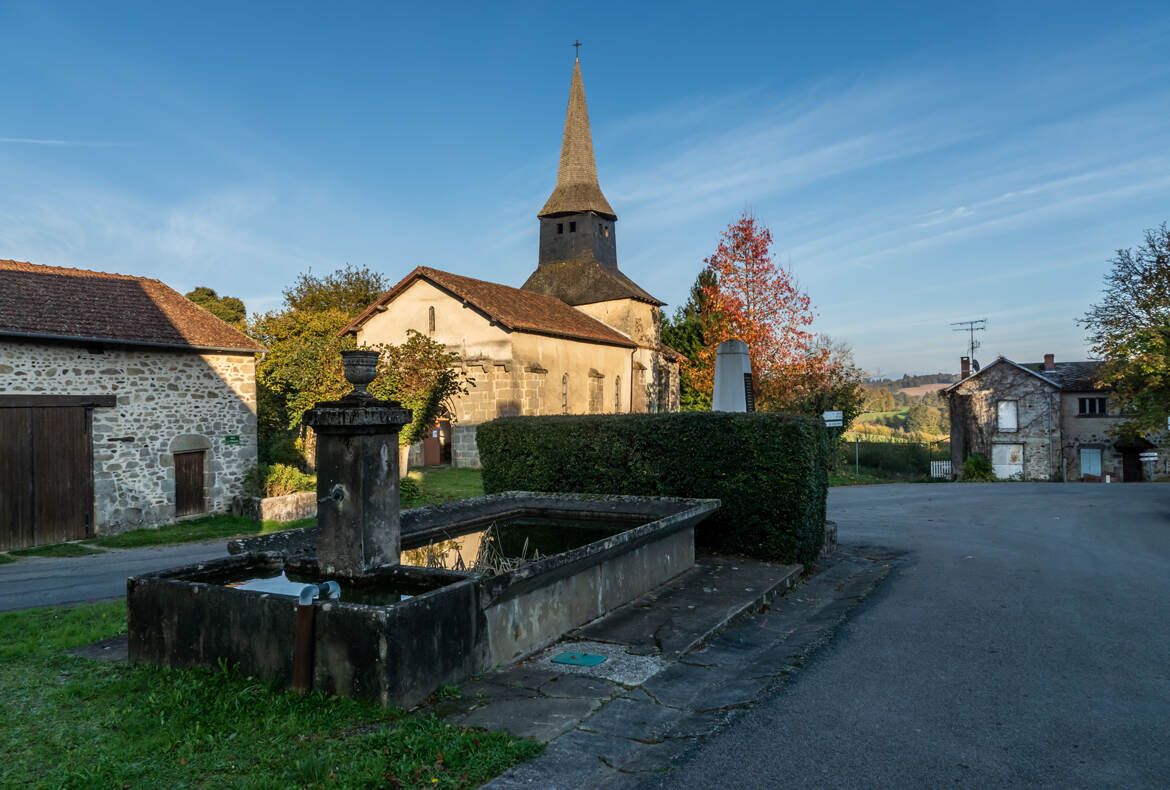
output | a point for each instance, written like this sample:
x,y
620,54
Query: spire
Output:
x,y
577,190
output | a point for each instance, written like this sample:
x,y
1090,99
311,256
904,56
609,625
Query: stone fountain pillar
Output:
x,y
357,474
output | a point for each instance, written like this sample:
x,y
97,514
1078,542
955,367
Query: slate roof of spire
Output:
x,y
577,190
53,302
585,282
511,308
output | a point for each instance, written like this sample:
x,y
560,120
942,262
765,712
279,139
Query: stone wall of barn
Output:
x,y
167,401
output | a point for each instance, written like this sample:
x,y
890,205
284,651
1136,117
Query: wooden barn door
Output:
x,y
46,475
189,483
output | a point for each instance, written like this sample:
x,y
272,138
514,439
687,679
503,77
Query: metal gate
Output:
x,y
46,473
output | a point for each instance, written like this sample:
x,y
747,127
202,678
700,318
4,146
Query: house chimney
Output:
x,y
1050,362
964,367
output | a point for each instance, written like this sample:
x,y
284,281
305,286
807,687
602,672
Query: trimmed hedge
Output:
x,y
769,470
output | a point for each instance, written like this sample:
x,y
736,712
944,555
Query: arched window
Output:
x,y
617,395
565,394
431,320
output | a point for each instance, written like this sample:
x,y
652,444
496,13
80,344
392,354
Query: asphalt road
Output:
x,y
1022,641
48,581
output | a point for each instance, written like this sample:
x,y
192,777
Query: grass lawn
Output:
x,y
76,723
847,477
440,484
4,558
56,550
210,528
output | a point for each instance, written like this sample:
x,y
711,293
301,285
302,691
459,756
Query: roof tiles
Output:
x,y
512,308
62,303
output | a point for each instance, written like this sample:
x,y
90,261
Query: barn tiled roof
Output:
x,y
577,190
511,308
59,303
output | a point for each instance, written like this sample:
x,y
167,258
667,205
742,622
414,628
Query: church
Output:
x,y
579,337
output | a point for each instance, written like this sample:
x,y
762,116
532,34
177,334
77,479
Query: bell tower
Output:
x,y
577,262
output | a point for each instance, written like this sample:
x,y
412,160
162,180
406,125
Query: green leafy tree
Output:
x,y
349,291
225,308
828,380
424,377
684,333
303,363
1130,330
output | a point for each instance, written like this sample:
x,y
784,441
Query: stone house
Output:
x,y
122,405
579,337
1042,421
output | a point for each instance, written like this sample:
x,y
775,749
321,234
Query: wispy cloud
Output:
x,y
49,141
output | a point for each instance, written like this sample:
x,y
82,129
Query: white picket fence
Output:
x,y
940,468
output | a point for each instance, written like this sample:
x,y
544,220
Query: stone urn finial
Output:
x,y
361,367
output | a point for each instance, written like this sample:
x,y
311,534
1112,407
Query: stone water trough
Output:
x,y
415,600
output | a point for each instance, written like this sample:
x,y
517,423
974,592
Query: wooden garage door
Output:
x,y
46,475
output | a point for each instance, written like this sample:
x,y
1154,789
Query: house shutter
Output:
x,y
1008,416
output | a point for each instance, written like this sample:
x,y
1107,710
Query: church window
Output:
x,y
572,227
431,320
617,395
560,227
605,231
565,394
663,389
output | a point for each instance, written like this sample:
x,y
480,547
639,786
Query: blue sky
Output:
x,y
917,165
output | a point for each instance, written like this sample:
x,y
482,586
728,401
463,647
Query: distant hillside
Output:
x,y
922,389
913,385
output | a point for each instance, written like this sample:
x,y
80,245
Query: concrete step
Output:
x,y
684,613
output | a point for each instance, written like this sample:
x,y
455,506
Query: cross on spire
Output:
x,y
577,46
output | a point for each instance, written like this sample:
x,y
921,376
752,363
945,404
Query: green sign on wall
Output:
x,y
231,438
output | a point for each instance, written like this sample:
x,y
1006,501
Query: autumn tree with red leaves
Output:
x,y
753,300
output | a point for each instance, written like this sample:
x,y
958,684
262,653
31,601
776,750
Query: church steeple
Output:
x,y
577,190
578,241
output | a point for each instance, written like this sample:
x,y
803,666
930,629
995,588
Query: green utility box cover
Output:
x,y
579,659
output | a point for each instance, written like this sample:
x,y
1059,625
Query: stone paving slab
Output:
x,y
678,616
647,728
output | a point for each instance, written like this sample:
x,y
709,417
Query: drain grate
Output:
x,y
579,659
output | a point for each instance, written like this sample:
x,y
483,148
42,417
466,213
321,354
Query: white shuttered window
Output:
x,y
1008,418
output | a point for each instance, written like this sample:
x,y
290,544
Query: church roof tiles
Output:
x,y
511,308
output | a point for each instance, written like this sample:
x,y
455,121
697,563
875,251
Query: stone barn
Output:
x,y
579,337
122,405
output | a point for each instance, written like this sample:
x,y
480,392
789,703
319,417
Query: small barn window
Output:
x,y
560,227
431,320
565,394
1008,416
617,395
572,227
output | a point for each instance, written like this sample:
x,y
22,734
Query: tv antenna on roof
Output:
x,y
971,327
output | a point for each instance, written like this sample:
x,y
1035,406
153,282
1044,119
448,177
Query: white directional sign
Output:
x,y
1151,456
834,423
832,415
